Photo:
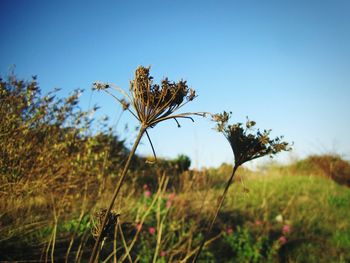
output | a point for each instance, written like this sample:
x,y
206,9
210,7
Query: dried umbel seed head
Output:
x,y
152,103
100,86
221,120
248,144
109,228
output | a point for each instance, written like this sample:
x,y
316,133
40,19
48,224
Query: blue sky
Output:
x,y
285,64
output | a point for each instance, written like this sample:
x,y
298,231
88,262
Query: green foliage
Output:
x,y
315,207
339,201
342,238
182,163
76,226
247,247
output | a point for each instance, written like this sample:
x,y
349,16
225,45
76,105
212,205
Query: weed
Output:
x,y
246,247
246,145
151,104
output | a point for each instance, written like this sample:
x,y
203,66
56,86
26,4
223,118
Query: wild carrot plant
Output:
x,y
150,104
247,144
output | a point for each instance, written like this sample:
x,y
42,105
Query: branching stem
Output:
x,y
116,192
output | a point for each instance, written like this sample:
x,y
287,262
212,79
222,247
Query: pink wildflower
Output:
x,y
229,231
145,187
171,197
151,230
147,193
286,229
168,204
138,227
258,222
162,253
282,240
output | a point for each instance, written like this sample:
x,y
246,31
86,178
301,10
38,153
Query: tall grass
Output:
x,y
251,221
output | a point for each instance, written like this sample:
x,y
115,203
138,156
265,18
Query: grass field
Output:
x,y
269,217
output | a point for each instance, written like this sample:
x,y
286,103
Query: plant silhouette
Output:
x,y
247,144
150,104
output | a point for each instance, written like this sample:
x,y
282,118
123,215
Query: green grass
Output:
x,y
316,209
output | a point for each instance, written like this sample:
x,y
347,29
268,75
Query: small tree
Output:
x,y
182,163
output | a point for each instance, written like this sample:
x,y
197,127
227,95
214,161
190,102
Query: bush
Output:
x,y
47,149
331,166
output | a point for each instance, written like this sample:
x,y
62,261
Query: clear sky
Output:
x,y
285,64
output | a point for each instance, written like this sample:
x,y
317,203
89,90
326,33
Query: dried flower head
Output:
x,y
99,86
125,104
108,230
152,103
246,142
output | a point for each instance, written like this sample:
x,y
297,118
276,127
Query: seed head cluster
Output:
x,y
152,103
246,142
108,230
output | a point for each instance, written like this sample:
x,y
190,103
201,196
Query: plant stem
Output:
x,y
221,201
116,191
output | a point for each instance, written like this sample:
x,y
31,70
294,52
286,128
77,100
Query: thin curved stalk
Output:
x,y
153,151
163,183
115,243
116,192
160,222
120,101
124,242
119,89
221,201
194,251
79,224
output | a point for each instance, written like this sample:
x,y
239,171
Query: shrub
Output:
x,y
331,166
48,156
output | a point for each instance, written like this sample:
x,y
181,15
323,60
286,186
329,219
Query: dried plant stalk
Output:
x,y
150,104
246,145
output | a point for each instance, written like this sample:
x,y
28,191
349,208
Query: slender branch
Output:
x,y
120,101
124,243
122,91
221,201
150,141
181,115
116,192
195,250
178,124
